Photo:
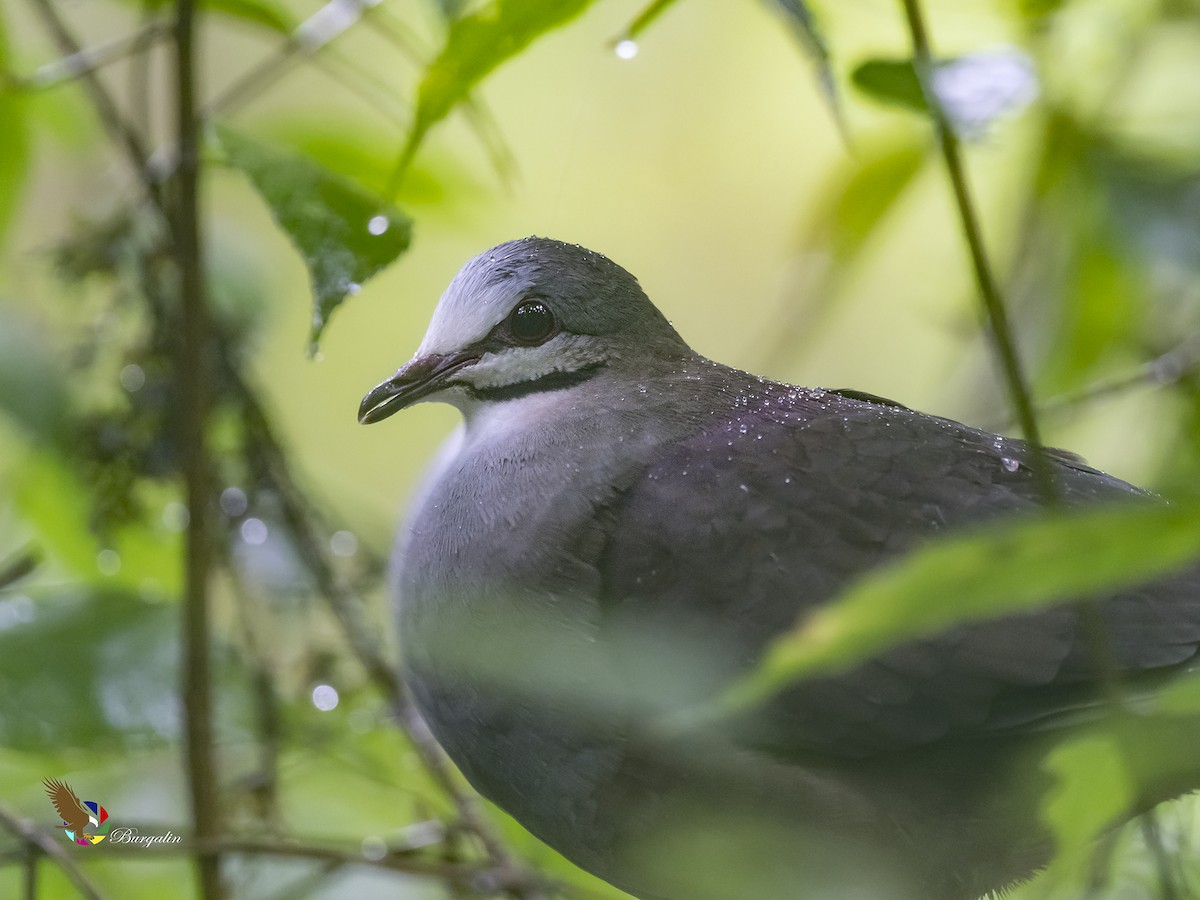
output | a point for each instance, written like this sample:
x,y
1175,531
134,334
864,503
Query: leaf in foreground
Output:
x,y
475,45
1010,568
344,234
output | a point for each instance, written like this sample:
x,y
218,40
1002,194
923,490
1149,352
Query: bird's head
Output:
x,y
524,317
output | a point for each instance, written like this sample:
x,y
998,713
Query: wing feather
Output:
x,y
730,537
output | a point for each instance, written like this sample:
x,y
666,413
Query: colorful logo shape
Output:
x,y
83,821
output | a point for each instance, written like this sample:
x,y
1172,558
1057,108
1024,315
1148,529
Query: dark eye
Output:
x,y
532,322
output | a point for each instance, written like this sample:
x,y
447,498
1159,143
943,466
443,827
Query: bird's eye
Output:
x,y
532,322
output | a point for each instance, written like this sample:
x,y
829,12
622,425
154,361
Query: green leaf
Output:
x,y
1037,9
803,25
1001,569
475,45
1092,790
344,234
893,81
33,391
272,16
52,499
646,18
866,193
14,138
98,670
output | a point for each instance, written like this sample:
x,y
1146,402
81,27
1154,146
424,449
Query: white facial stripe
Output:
x,y
565,353
470,308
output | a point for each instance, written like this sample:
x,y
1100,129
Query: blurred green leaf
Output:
x,y
1092,790
475,45
868,191
803,24
96,669
366,156
33,390
1001,569
14,138
344,234
273,16
53,500
893,81
1036,9
1101,308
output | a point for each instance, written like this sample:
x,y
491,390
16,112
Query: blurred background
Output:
x,y
766,177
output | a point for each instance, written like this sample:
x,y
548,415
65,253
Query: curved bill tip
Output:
x,y
411,383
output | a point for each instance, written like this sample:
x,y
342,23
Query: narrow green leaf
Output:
x,y
803,24
1002,569
475,45
892,81
646,18
272,16
344,234
868,191
14,138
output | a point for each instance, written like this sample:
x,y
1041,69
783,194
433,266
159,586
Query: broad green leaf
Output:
x,y
892,81
98,671
14,138
344,234
1007,568
475,45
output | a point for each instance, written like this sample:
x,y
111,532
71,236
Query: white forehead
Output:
x,y
476,301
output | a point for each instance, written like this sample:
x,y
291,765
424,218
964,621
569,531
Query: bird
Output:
x,y
619,529
74,814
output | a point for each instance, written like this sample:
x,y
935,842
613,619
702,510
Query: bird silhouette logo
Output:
x,y
83,821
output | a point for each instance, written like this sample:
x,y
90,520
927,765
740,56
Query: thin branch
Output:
x,y
347,609
1091,622
192,370
90,59
18,566
989,289
31,872
46,844
110,116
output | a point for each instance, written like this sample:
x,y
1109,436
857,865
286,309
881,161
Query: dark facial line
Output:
x,y
555,381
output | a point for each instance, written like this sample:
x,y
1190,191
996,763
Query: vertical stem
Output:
x,y
989,290
192,367
31,872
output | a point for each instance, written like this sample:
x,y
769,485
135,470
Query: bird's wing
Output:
x,y
68,806
726,540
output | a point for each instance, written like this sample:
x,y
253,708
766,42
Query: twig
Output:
x,y
17,566
45,843
989,290
94,57
1152,834
347,609
120,130
31,872
192,371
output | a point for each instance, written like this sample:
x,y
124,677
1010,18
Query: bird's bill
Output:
x,y
413,382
